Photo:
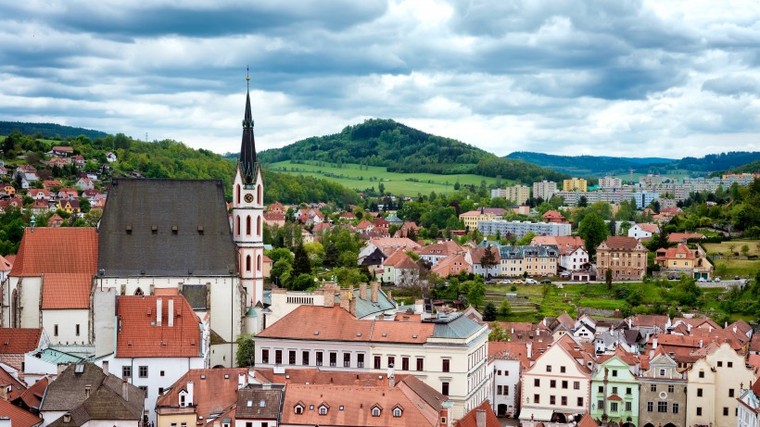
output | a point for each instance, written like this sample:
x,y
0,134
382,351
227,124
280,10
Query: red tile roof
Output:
x,y
17,388
66,291
621,242
19,340
18,416
140,336
32,397
57,250
470,419
587,421
214,390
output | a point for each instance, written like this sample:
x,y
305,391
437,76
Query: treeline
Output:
x,y
399,148
291,189
48,130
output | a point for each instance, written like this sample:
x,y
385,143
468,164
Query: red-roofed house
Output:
x,y
56,267
553,216
507,359
452,266
18,417
435,252
16,342
158,339
684,237
624,256
482,416
682,260
400,269
643,230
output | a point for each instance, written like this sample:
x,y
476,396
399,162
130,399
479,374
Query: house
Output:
x,y
158,338
641,231
78,160
25,175
51,184
749,406
62,150
615,389
14,416
85,183
447,352
482,416
506,361
471,219
388,245
662,391
111,157
15,343
9,190
5,266
69,206
83,394
626,257
531,260
680,260
200,394
714,383
55,221
40,194
684,237
400,269
262,405
56,266
572,251
486,269
68,194
557,387
452,265
435,252
39,207
553,216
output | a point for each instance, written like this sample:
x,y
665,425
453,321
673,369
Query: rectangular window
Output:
x,y
614,390
662,372
498,389
536,382
725,411
264,356
305,358
55,330
552,400
291,357
391,361
580,402
445,388
76,327
143,371
420,364
126,372
730,364
601,389
564,384
650,406
446,365
699,411
627,390
563,400
346,360
730,392
671,388
333,359
377,362
600,403
613,406
576,385
628,406
699,392
720,364
278,357
562,369
662,407
701,374
548,368
614,372
536,399
360,360
675,408
552,383
404,363
653,387
320,359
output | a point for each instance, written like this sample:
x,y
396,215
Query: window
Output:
x,y
627,390
126,372
699,411
346,360
548,368
662,372
160,391
725,411
675,408
498,389
614,372
445,388
305,358
391,361
536,399
377,362
537,382
144,388
76,327
375,411
404,363
628,406
699,392
291,357
320,359
730,364
446,365
563,400
420,364
55,330
671,388
601,389
562,369
248,263
552,383
613,406
653,387
576,385
580,401
323,410
614,390
730,392
143,371
264,356
397,412
333,359
720,363
650,406
360,360
564,384
162,373
278,357
701,374
662,406
298,409
552,400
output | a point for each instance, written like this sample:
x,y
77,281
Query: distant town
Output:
x,y
133,297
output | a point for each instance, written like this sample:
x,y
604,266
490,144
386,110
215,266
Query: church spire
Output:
x,y
247,160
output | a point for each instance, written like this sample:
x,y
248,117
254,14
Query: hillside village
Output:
x,y
164,302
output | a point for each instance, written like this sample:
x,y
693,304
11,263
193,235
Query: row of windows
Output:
x,y
77,329
663,407
237,194
614,406
615,389
553,400
332,356
247,225
553,384
323,409
142,372
502,390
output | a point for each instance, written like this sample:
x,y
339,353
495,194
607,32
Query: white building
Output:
x,y
749,407
505,364
521,228
544,189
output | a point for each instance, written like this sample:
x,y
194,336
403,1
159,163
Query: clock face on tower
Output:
x,y
249,198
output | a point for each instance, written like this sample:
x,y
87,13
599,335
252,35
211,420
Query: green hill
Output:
x,y
400,148
48,130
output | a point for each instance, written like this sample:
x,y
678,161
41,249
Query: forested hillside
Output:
x,y
401,148
48,130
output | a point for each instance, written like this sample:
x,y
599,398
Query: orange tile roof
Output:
x,y
470,419
57,250
587,421
621,242
66,291
32,396
17,388
400,259
452,264
18,416
140,336
336,324
19,340
317,376
649,227
509,350
212,393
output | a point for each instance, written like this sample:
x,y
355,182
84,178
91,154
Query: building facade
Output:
x,y
626,257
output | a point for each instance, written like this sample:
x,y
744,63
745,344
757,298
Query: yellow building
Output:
x,y
575,184
470,219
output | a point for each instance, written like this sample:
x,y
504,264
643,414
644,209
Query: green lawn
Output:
x,y
724,248
362,177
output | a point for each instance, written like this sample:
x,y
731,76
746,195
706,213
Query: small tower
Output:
x,y
248,211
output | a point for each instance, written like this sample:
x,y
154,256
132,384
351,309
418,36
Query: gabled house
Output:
x,y
62,150
749,406
15,343
435,252
84,183
482,416
644,230
626,257
506,361
68,194
260,404
662,391
487,269
553,216
400,269
615,389
111,157
682,260
83,394
452,265
69,206
15,416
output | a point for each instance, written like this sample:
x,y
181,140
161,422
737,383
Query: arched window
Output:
x,y
139,291
397,411
299,409
237,225
258,194
375,411
258,227
248,263
258,263
248,225
237,194
323,410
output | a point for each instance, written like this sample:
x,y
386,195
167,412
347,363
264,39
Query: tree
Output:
x,y
476,294
488,260
582,202
246,350
497,333
489,312
526,239
505,309
608,278
593,231
745,250
301,263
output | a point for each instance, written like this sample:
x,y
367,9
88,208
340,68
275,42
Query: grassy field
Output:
x,y
735,266
724,248
362,177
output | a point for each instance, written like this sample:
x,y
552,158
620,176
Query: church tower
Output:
x,y
248,211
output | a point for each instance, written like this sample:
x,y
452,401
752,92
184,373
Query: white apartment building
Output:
x,y
516,193
749,407
521,228
544,189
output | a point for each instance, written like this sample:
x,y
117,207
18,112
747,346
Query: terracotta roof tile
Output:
x,y
32,397
140,336
213,393
66,291
19,340
17,388
18,416
57,250
470,419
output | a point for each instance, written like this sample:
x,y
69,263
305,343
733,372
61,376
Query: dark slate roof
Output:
x,y
137,231
247,160
105,404
256,402
195,295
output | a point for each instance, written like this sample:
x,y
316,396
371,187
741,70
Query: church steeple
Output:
x,y
247,160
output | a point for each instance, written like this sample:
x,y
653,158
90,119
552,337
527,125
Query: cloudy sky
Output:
x,y
630,78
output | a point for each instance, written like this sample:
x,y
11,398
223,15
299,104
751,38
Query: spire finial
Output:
x,y
247,78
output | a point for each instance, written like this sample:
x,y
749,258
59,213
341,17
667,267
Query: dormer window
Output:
x,y
298,409
376,410
182,399
398,411
323,409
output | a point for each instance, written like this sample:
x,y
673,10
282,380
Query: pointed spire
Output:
x,y
247,160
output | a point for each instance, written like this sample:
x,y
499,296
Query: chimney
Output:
x,y
345,300
67,417
329,294
654,343
363,291
190,393
529,349
158,311
125,390
375,288
242,380
170,313
480,417
352,302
